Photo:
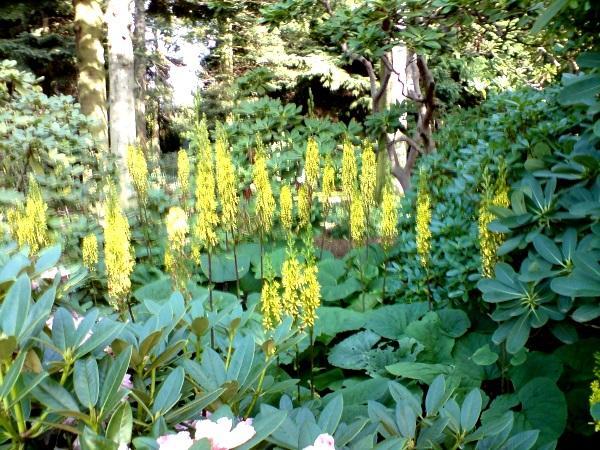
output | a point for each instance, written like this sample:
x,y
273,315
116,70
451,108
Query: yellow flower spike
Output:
x,y
310,295
118,253
349,170
29,225
389,219
303,206
423,221
271,304
207,220
89,250
138,171
328,184
285,208
177,231
311,163
265,203
357,219
183,171
291,280
368,175
488,240
227,185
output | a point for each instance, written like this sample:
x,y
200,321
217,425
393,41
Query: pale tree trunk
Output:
x,y
139,42
91,83
122,85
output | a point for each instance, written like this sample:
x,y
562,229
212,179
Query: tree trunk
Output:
x,y
122,85
139,42
91,83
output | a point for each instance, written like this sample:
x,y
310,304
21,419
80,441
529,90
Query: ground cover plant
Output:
x,y
278,281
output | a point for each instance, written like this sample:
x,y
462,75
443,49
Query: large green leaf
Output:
x,y
54,396
223,266
419,371
353,352
544,408
548,14
429,332
86,381
169,393
120,426
334,320
390,321
331,415
15,307
583,90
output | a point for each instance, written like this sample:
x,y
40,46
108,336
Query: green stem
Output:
x,y
210,298
261,256
312,362
384,276
258,389
235,264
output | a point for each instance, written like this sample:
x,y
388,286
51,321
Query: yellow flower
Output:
x,y
595,398
285,208
118,253
29,225
423,221
310,295
89,249
138,171
368,175
183,171
291,280
349,170
328,184
311,163
488,240
270,304
227,184
303,206
207,220
389,219
357,219
177,231
265,203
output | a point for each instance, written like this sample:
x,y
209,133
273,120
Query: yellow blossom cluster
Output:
x,y
389,219
368,176
488,240
89,250
595,398
206,221
177,231
423,221
304,206
271,304
291,281
311,163
29,225
138,171
227,185
357,219
310,295
285,208
265,203
183,171
118,253
349,170
328,184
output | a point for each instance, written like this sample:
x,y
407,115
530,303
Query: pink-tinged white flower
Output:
x,y
179,441
322,442
123,446
50,274
127,383
77,319
221,434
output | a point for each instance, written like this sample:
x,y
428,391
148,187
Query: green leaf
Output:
x,y
454,322
120,426
552,10
15,307
193,408
435,396
111,385
537,365
419,371
331,415
54,396
518,334
352,352
586,313
548,249
544,408
589,60
223,266
430,333
169,393
86,381
581,91
11,376
471,408
484,356
47,259
390,321
522,441
335,320
241,362
264,426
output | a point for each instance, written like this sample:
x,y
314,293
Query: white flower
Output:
x,y
221,434
322,442
179,441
